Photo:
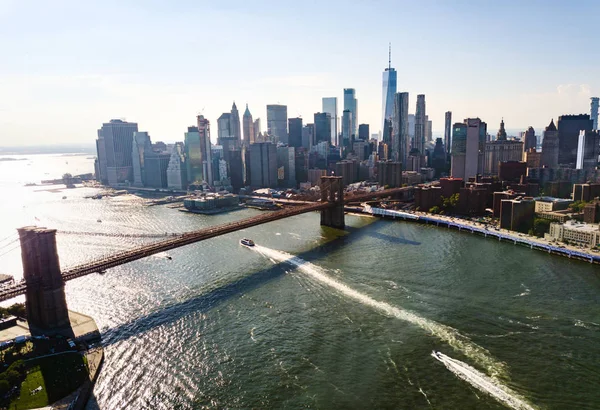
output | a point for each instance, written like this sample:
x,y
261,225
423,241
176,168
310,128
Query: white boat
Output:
x,y
247,242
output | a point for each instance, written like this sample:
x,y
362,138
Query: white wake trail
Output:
x,y
445,333
483,382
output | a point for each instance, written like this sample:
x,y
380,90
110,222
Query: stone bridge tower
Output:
x,y
45,296
332,191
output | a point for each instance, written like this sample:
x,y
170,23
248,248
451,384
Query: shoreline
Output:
x,y
500,234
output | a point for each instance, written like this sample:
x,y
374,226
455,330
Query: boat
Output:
x,y
99,220
169,257
247,242
64,197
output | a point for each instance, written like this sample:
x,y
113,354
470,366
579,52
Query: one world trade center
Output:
x,y
389,90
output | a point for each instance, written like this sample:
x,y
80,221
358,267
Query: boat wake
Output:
x,y
445,333
482,382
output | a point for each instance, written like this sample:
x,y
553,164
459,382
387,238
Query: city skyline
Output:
x,y
79,75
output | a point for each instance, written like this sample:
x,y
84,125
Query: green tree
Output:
x,y
4,387
18,309
540,227
12,377
449,204
577,206
434,210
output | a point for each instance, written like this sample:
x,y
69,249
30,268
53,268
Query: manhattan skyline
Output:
x,y
74,67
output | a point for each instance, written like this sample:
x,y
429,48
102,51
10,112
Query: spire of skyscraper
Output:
x,y
501,135
388,93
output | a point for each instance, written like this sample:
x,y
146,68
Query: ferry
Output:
x,y
247,242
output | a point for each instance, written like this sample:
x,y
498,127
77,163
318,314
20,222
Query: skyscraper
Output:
x,y
569,127
156,163
236,130
448,131
114,147
529,139
346,127
193,154
308,136
248,125
400,127
588,149
141,145
205,149
295,132
263,165
330,107
322,127
388,91
363,132
256,129
420,124
286,162
277,123
176,171
468,141
351,104
224,131
428,129
550,146
411,132
594,112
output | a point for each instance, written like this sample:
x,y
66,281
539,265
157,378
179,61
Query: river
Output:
x,y
313,317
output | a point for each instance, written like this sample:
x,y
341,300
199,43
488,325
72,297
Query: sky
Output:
x,y
68,66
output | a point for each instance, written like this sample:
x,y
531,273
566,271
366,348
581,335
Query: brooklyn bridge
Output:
x,y
43,284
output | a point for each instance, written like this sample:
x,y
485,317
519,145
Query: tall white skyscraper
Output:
x,y
448,131
330,107
420,124
594,112
351,104
388,93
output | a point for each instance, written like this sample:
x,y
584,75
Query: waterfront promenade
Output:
x,y
487,231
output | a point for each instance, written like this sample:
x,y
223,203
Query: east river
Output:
x,y
314,317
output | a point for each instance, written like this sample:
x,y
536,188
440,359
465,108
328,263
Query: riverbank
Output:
x,y
481,229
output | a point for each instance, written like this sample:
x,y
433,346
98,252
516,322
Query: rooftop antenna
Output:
x,y
390,59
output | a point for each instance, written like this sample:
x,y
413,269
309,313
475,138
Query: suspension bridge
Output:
x,y
43,282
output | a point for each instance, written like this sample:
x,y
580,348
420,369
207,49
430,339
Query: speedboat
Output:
x,y
437,355
247,242
169,257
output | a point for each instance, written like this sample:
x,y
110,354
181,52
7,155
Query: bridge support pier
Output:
x,y
332,191
45,296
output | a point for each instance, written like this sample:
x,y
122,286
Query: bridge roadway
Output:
x,y
188,238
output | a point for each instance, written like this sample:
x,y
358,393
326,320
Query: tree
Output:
x,y
448,204
434,210
18,309
540,227
4,387
577,206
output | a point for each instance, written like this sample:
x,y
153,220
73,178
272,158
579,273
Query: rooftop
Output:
x,y
552,199
581,226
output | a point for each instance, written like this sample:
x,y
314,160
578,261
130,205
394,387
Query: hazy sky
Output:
x,y
67,66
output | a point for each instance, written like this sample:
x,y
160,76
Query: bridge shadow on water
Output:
x,y
220,294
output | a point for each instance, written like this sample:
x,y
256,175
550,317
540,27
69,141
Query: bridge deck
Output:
x,y
188,238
